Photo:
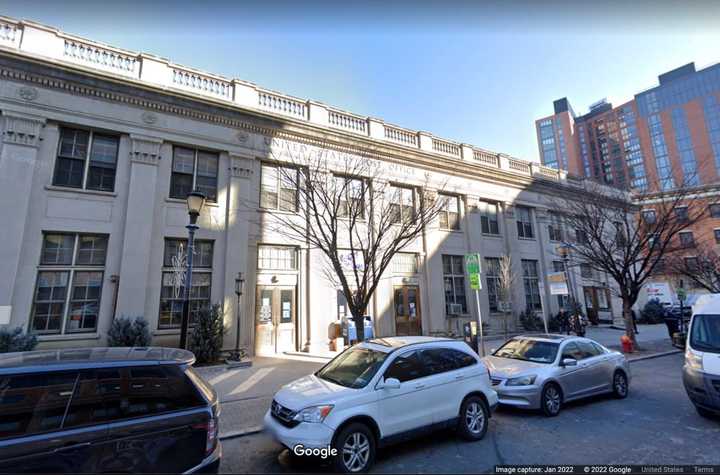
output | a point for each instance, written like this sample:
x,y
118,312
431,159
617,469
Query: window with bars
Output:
x,y
192,170
449,214
489,217
531,284
172,292
648,216
278,188
402,204
277,257
69,283
492,278
524,222
681,214
714,210
454,281
86,160
586,271
405,263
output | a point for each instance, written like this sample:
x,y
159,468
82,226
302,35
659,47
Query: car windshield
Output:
x,y
528,350
705,333
354,368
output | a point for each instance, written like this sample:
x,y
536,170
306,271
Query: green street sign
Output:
x,y
472,263
681,293
475,282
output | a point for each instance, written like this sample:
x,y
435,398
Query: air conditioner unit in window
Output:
x,y
455,309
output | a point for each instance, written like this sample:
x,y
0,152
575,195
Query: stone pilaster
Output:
x,y
139,224
18,162
239,211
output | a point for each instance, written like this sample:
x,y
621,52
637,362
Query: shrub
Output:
x,y
554,324
16,340
206,337
126,331
530,321
652,312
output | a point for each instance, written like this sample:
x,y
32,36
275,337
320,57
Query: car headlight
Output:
x,y
693,360
313,414
522,380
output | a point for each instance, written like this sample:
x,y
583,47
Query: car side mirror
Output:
x,y
389,383
568,362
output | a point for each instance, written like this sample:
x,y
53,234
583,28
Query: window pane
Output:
x,y
207,169
57,249
92,250
69,172
73,143
180,185
439,360
85,301
34,403
103,158
183,160
49,305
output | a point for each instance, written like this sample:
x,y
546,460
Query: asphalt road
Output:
x,y
655,424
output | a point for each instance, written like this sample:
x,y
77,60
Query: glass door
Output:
x,y
275,315
407,310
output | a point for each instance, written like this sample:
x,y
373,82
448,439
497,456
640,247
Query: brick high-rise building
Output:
x,y
666,136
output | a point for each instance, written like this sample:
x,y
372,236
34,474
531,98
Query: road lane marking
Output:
x,y
251,381
222,377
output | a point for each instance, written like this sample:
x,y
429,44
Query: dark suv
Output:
x,y
106,410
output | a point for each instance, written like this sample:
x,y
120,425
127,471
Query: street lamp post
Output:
x,y
237,354
195,203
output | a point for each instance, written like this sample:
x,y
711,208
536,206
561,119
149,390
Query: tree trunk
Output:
x,y
629,326
358,317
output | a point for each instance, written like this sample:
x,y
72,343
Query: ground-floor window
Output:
x,y
454,280
69,283
531,284
172,292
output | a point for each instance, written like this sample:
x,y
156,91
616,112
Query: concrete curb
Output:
x,y
654,355
241,433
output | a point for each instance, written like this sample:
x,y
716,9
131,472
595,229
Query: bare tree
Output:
x,y
507,280
626,238
343,205
702,269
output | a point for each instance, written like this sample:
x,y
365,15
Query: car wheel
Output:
x,y
551,400
355,447
620,385
473,421
704,412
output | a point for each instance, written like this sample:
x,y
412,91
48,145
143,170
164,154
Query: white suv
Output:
x,y
382,391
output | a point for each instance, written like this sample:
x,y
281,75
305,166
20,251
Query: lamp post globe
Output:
x,y
195,203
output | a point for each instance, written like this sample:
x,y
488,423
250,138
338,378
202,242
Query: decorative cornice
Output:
x,y
22,129
291,129
145,149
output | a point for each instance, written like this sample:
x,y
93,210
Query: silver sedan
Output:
x,y
544,371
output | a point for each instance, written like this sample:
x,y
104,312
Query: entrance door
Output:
x,y
407,311
275,316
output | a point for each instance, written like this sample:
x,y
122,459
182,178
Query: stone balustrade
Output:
x,y
344,120
201,83
36,39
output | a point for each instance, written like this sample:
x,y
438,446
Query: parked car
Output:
x,y
544,371
701,372
106,410
382,391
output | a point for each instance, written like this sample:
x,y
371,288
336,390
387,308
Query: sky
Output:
x,y
475,72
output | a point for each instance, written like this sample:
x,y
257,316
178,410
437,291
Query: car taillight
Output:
x,y
210,428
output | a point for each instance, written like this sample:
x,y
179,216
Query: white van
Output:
x,y
701,372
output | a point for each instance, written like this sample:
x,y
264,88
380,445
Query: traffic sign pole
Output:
x,y
472,269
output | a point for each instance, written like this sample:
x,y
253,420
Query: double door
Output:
x,y
275,316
